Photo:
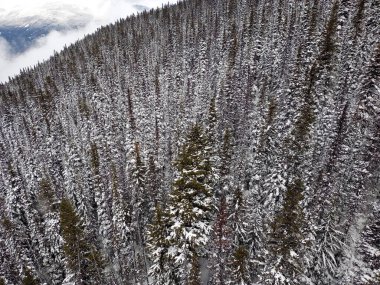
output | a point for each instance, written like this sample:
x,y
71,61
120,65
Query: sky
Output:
x,y
94,12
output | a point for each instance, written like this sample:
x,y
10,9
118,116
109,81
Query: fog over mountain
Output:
x,y
30,31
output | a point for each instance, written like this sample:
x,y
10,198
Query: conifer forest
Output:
x,y
208,142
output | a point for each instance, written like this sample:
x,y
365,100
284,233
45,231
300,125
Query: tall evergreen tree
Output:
x,y
220,246
190,205
286,239
82,259
157,244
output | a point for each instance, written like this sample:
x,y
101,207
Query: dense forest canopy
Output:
x,y
207,142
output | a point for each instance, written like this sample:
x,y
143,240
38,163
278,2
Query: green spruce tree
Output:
x,y
286,239
190,205
158,246
82,259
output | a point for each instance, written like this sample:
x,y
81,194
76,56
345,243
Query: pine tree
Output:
x,y
212,122
139,196
190,205
29,279
194,277
49,204
225,177
72,234
220,247
286,239
121,237
82,259
152,186
139,214
240,266
158,247
328,45
239,259
368,96
370,248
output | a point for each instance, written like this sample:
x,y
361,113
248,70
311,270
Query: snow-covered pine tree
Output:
x,y
157,246
84,263
190,206
237,221
286,240
370,249
220,246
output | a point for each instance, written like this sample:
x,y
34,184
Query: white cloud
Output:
x,y
102,12
43,49
96,8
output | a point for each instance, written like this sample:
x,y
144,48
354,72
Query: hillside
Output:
x,y
208,142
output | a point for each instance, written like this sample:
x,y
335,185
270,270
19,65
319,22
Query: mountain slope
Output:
x,y
224,141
